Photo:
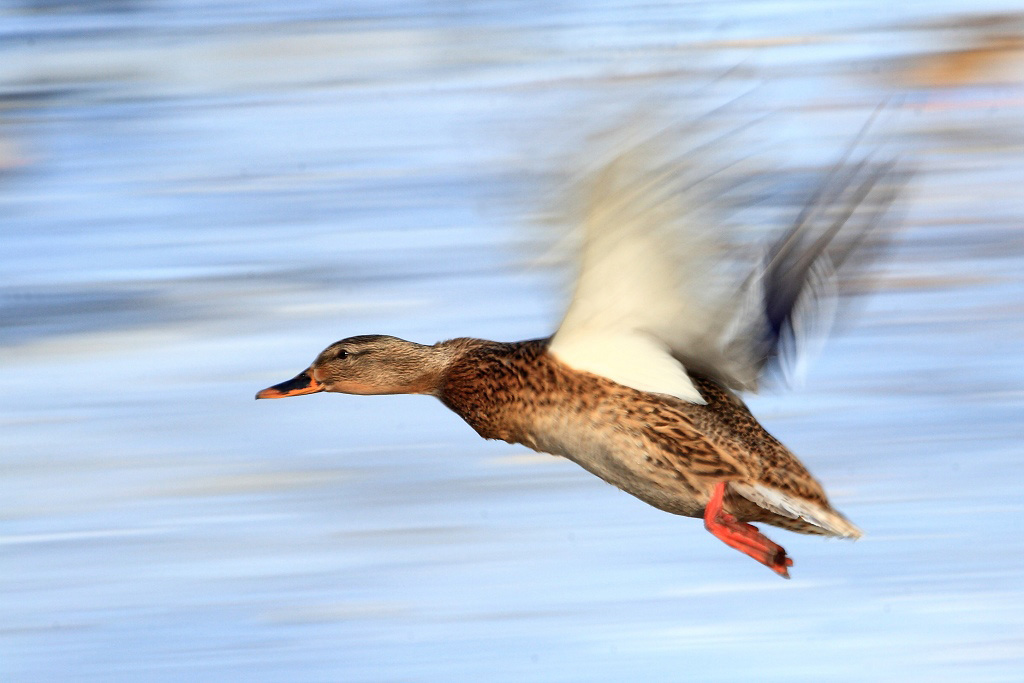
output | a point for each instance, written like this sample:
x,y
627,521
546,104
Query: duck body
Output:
x,y
709,459
667,452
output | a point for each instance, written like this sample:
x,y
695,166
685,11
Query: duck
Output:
x,y
641,382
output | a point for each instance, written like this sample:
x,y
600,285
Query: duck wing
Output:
x,y
638,294
660,289
783,311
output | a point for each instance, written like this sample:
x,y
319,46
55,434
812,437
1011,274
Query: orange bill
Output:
x,y
303,383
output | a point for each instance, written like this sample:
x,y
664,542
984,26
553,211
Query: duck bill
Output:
x,y
303,383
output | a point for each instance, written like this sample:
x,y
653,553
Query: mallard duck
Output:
x,y
639,383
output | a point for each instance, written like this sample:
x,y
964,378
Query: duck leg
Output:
x,y
744,537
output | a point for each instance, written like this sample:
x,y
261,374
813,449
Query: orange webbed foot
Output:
x,y
744,537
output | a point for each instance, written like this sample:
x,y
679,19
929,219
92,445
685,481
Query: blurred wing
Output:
x,y
638,295
788,303
657,292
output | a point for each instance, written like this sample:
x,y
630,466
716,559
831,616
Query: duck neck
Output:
x,y
428,367
486,384
420,372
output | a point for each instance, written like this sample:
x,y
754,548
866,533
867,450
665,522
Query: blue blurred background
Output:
x,y
196,197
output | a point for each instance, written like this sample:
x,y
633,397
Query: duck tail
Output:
x,y
831,522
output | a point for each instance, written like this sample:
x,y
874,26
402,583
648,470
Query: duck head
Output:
x,y
367,364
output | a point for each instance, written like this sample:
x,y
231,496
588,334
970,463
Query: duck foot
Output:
x,y
744,537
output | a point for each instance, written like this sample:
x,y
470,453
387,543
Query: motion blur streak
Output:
x,y
193,195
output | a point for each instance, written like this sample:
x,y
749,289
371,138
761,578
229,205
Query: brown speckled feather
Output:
x,y
665,451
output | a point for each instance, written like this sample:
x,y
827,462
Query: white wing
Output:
x,y
640,293
659,290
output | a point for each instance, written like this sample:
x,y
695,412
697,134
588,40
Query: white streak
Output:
x,y
782,503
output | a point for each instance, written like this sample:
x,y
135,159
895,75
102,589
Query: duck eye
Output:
x,y
343,354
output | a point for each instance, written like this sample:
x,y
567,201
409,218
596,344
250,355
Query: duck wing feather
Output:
x,y
659,289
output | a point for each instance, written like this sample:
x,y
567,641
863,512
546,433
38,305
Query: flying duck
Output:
x,y
640,383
